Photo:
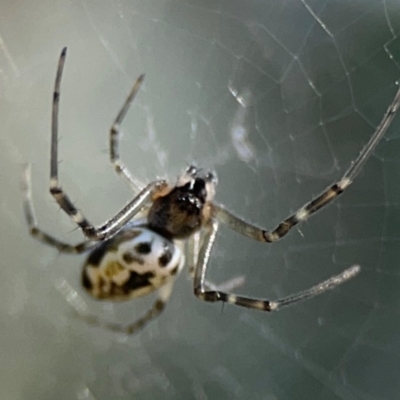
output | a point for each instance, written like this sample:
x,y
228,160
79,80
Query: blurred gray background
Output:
x,y
277,97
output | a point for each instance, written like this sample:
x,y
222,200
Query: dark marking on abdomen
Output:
x,y
96,256
137,281
86,282
166,256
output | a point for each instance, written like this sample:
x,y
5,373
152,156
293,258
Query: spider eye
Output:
x,y
191,170
211,177
196,188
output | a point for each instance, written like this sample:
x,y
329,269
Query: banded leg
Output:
x,y
202,292
114,224
263,235
157,308
119,166
31,221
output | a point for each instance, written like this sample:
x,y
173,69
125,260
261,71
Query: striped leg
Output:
x,y
36,232
158,307
263,235
114,224
202,292
119,166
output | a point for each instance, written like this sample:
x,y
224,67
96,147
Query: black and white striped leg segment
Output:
x,y
164,293
203,292
35,231
119,166
114,224
330,194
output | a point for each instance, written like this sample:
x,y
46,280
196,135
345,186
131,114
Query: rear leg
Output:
x,y
157,308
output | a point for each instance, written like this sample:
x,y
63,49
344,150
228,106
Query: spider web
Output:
x,y
278,97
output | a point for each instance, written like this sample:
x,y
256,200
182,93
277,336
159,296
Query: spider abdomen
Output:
x,y
135,262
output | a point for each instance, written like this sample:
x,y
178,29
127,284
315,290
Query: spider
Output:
x,y
131,258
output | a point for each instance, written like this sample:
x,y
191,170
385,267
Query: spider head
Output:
x,y
180,212
200,182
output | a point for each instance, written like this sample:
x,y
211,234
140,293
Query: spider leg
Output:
x,y
193,255
157,308
119,166
193,246
263,235
114,224
37,233
203,292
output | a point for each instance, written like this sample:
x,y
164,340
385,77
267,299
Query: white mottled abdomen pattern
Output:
x,y
133,263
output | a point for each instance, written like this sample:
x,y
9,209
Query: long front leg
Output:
x,y
263,235
114,224
119,166
254,232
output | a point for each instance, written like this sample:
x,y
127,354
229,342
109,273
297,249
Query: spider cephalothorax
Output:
x,y
131,258
184,209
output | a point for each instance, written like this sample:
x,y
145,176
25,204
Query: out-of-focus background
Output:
x,y
278,98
